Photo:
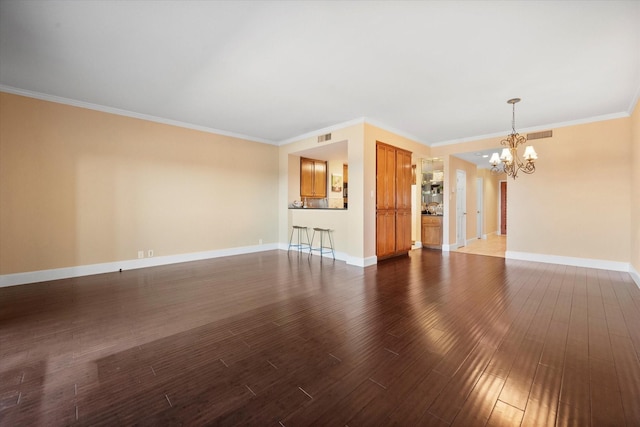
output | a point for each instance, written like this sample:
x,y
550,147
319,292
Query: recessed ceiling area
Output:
x,y
334,150
479,158
271,71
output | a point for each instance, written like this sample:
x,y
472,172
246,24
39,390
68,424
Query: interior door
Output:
x,y
503,207
461,208
479,206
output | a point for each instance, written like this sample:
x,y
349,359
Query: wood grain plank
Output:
x,y
265,338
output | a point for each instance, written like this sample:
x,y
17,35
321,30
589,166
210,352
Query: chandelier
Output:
x,y
511,163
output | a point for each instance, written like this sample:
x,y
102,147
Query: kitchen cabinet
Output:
x,y
403,180
385,232
393,201
432,231
313,178
385,177
403,231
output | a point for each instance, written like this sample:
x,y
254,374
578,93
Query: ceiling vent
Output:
x,y
323,138
540,135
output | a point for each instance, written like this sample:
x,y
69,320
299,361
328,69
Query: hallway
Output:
x,y
494,245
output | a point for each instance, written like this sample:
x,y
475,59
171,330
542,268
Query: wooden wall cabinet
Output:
x,y
313,178
403,231
432,231
393,201
385,233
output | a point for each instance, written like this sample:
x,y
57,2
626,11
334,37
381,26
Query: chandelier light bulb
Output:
x,y
530,154
506,156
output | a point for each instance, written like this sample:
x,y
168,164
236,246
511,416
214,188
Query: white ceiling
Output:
x,y
272,71
477,158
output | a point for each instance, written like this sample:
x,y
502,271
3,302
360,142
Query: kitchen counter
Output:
x,y
334,219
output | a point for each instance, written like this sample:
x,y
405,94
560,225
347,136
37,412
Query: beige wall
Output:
x,y
80,187
577,203
293,188
635,189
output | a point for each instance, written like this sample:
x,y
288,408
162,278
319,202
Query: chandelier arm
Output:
x,y
511,161
529,168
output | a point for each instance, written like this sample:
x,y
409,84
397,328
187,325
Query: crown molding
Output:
x,y
602,118
360,120
399,132
127,113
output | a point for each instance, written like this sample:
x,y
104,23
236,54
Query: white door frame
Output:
x,y
461,208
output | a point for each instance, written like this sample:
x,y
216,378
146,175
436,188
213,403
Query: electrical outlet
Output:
x,y
260,241
150,253
140,254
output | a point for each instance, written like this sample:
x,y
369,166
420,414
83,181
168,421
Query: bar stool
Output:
x,y
302,231
322,248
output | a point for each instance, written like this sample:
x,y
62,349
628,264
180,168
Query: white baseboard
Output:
x,y
634,275
362,262
132,264
565,260
416,245
486,236
109,267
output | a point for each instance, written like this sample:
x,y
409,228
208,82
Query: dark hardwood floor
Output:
x,y
271,339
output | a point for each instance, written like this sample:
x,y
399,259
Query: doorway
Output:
x,y
503,207
461,208
494,243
